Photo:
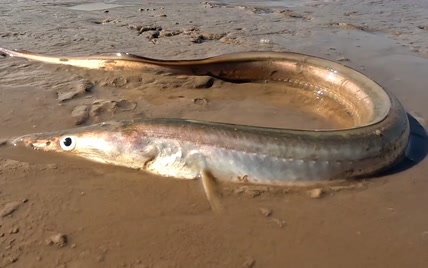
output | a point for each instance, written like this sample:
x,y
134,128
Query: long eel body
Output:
x,y
190,149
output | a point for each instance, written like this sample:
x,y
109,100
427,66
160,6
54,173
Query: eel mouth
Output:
x,y
29,141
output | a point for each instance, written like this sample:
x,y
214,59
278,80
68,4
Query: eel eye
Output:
x,y
67,143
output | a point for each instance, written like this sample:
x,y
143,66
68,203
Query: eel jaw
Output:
x,y
32,142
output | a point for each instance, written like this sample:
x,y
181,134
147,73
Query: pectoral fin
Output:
x,y
210,188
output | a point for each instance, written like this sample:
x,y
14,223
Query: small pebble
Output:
x,y
265,212
249,263
9,208
266,41
315,193
13,259
59,240
100,258
52,166
343,59
279,222
200,101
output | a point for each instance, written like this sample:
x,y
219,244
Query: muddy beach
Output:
x,y
58,211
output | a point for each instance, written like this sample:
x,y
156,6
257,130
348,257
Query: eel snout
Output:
x,y
25,141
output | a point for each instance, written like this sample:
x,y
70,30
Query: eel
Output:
x,y
190,149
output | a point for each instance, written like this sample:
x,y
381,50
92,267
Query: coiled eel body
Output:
x,y
189,149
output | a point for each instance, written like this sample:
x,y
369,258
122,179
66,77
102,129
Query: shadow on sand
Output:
x,y
416,150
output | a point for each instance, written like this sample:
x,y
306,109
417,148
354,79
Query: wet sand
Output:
x,y
116,217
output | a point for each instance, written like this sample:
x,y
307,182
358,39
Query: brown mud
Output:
x,y
57,211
